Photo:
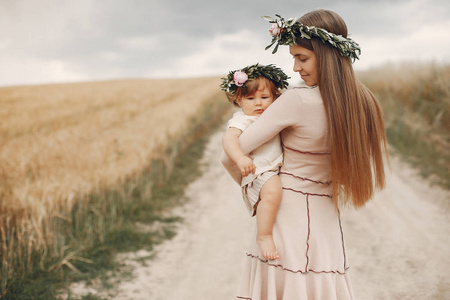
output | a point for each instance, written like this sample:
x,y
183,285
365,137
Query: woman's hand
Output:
x,y
246,165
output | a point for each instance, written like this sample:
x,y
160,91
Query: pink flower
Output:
x,y
275,30
240,78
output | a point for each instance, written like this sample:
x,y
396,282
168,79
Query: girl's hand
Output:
x,y
246,165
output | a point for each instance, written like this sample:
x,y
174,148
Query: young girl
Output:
x,y
254,88
333,141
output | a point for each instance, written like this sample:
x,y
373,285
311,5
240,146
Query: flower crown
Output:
x,y
238,78
286,32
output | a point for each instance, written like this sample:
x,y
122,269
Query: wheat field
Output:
x,y
416,101
60,141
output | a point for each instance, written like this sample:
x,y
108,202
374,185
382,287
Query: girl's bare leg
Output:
x,y
267,209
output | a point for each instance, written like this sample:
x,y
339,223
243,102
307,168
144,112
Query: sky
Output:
x,y
51,41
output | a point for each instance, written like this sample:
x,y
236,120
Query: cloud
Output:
x,y
223,53
428,42
58,41
38,71
140,43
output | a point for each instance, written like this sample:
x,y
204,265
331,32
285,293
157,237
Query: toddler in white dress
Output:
x,y
253,89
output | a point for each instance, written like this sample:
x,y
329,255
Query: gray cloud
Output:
x,y
88,40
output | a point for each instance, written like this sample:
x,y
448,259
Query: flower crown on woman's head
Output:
x,y
286,32
238,78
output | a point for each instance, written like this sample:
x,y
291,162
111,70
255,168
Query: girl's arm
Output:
x,y
284,112
230,143
231,167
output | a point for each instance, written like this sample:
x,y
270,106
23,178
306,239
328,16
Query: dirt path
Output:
x,y
203,260
398,244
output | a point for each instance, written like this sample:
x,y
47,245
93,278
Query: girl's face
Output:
x,y
256,104
305,63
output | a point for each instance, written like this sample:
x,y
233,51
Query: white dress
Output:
x,y
267,159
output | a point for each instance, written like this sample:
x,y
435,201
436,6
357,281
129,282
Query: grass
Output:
x,y
416,102
49,241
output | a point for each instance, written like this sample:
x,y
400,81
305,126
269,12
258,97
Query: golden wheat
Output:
x,y
418,94
416,101
64,140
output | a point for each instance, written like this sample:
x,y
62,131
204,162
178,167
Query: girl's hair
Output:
x,y
355,120
251,87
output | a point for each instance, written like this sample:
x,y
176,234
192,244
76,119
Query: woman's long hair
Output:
x,y
355,120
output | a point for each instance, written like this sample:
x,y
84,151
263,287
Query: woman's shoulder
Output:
x,y
302,94
307,91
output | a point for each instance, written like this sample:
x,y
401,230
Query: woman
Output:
x,y
333,140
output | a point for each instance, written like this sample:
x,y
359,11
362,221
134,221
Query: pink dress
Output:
x,y
307,231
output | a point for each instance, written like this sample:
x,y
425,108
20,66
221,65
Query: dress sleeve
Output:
x,y
284,112
241,121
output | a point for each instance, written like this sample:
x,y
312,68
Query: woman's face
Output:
x,y
305,63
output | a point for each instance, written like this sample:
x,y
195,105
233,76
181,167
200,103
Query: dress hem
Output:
x,y
293,271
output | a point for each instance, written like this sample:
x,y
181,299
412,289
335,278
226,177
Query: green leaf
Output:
x,y
322,35
273,42
291,21
267,18
339,38
293,36
275,49
304,35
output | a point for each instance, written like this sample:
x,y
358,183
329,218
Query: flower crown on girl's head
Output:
x,y
238,78
286,32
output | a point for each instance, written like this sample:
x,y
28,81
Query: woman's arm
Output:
x,y
279,115
282,113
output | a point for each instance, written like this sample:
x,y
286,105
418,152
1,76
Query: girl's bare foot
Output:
x,y
267,246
